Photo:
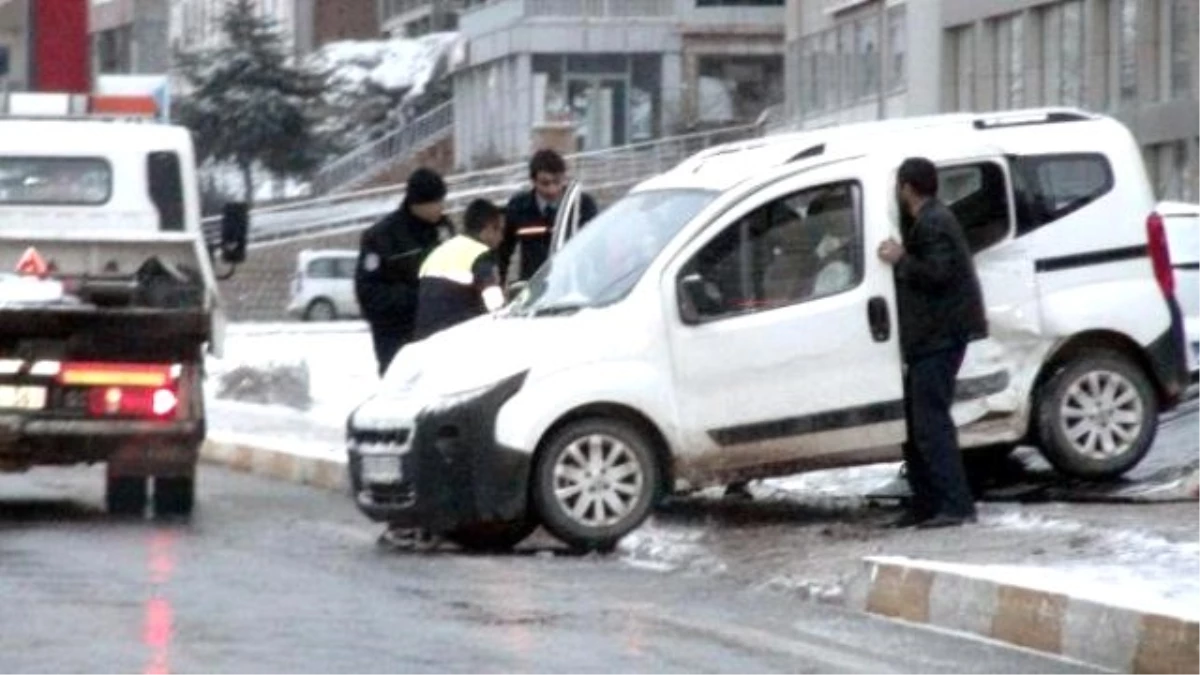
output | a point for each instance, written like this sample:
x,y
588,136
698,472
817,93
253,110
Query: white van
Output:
x,y
323,285
685,337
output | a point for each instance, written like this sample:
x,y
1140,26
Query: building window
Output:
x,y
1127,65
1183,29
739,3
847,62
867,32
962,41
1010,62
828,90
897,47
1062,54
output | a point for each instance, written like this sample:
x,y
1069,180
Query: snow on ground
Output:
x,y
394,64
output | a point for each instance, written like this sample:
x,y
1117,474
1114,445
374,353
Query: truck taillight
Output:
x,y
150,402
1160,254
153,375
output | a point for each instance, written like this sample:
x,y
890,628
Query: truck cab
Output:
x,y
108,303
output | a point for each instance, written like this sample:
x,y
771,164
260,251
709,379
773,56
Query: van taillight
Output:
x,y
145,390
146,402
1160,254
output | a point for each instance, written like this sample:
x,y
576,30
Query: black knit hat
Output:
x,y
424,186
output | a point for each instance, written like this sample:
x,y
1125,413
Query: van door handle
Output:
x,y
879,319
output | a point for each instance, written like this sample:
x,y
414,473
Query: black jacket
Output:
x,y
937,289
527,226
389,261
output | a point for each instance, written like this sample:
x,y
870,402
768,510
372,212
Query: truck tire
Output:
x,y
126,495
174,496
596,481
491,537
1097,416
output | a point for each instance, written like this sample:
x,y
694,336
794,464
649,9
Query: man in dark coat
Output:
x,y
529,216
390,256
941,310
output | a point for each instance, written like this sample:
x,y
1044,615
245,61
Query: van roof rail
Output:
x,y
1027,119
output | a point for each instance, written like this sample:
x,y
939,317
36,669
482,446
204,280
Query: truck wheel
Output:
x,y
491,537
595,482
126,495
174,496
320,310
1097,416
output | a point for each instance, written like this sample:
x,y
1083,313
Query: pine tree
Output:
x,y
247,103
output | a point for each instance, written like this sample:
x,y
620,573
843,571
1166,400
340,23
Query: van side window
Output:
x,y
1050,187
166,189
978,196
798,248
345,267
322,268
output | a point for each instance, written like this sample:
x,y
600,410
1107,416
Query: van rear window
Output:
x,y
55,181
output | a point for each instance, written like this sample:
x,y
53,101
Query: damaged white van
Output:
x,y
729,320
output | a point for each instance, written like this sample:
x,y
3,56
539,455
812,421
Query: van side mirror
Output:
x,y
235,227
691,297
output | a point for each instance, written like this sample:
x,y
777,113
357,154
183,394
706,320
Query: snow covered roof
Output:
x,y
393,64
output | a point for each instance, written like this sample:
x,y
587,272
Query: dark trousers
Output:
x,y
387,342
934,462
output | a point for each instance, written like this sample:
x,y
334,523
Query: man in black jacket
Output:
x,y
941,310
389,260
529,216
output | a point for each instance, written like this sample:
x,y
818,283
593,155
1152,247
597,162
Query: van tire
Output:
x,y
597,525
174,496
320,310
1097,416
491,537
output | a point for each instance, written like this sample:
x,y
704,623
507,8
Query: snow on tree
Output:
x,y
247,104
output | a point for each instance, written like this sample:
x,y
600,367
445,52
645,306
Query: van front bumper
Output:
x,y
445,469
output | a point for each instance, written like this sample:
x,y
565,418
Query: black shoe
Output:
x,y
738,491
906,520
942,520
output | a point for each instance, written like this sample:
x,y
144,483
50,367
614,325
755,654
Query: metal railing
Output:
x,y
609,168
361,164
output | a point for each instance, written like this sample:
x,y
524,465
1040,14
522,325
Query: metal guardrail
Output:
x,y
625,165
362,163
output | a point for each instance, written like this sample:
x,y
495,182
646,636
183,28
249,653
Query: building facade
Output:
x,y
129,36
14,45
617,71
856,60
414,18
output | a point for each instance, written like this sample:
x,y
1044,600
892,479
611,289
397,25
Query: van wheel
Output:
x,y
320,310
174,496
491,537
126,495
1097,416
595,482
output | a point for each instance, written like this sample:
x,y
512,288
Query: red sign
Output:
x,y
60,60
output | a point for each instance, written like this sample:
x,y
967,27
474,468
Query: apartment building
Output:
x,y
129,36
306,24
414,18
855,60
615,71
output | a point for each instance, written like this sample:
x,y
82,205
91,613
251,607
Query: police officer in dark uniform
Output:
x,y
390,256
529,216
460,279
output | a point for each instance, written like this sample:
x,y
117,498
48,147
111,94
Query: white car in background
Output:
x,y
1182,222
323,286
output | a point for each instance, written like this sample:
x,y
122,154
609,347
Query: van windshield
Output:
x,y
602,263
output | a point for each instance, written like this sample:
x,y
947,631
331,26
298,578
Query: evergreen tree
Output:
x,y
247,103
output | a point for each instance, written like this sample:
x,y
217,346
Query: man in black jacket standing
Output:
x,y
389,260
941,310
529,216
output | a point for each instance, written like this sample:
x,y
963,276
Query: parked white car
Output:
x,y
683,338
323,285
1182,221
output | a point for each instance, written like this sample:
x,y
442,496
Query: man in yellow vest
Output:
x,y
460,280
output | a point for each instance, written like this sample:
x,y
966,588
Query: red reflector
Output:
x,y
115,374
32,264
1160,254
132,402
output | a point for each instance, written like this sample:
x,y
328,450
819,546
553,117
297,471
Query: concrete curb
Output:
x,y
1124,640
326,474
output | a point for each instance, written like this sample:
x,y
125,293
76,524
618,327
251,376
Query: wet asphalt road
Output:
x,y
270,577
